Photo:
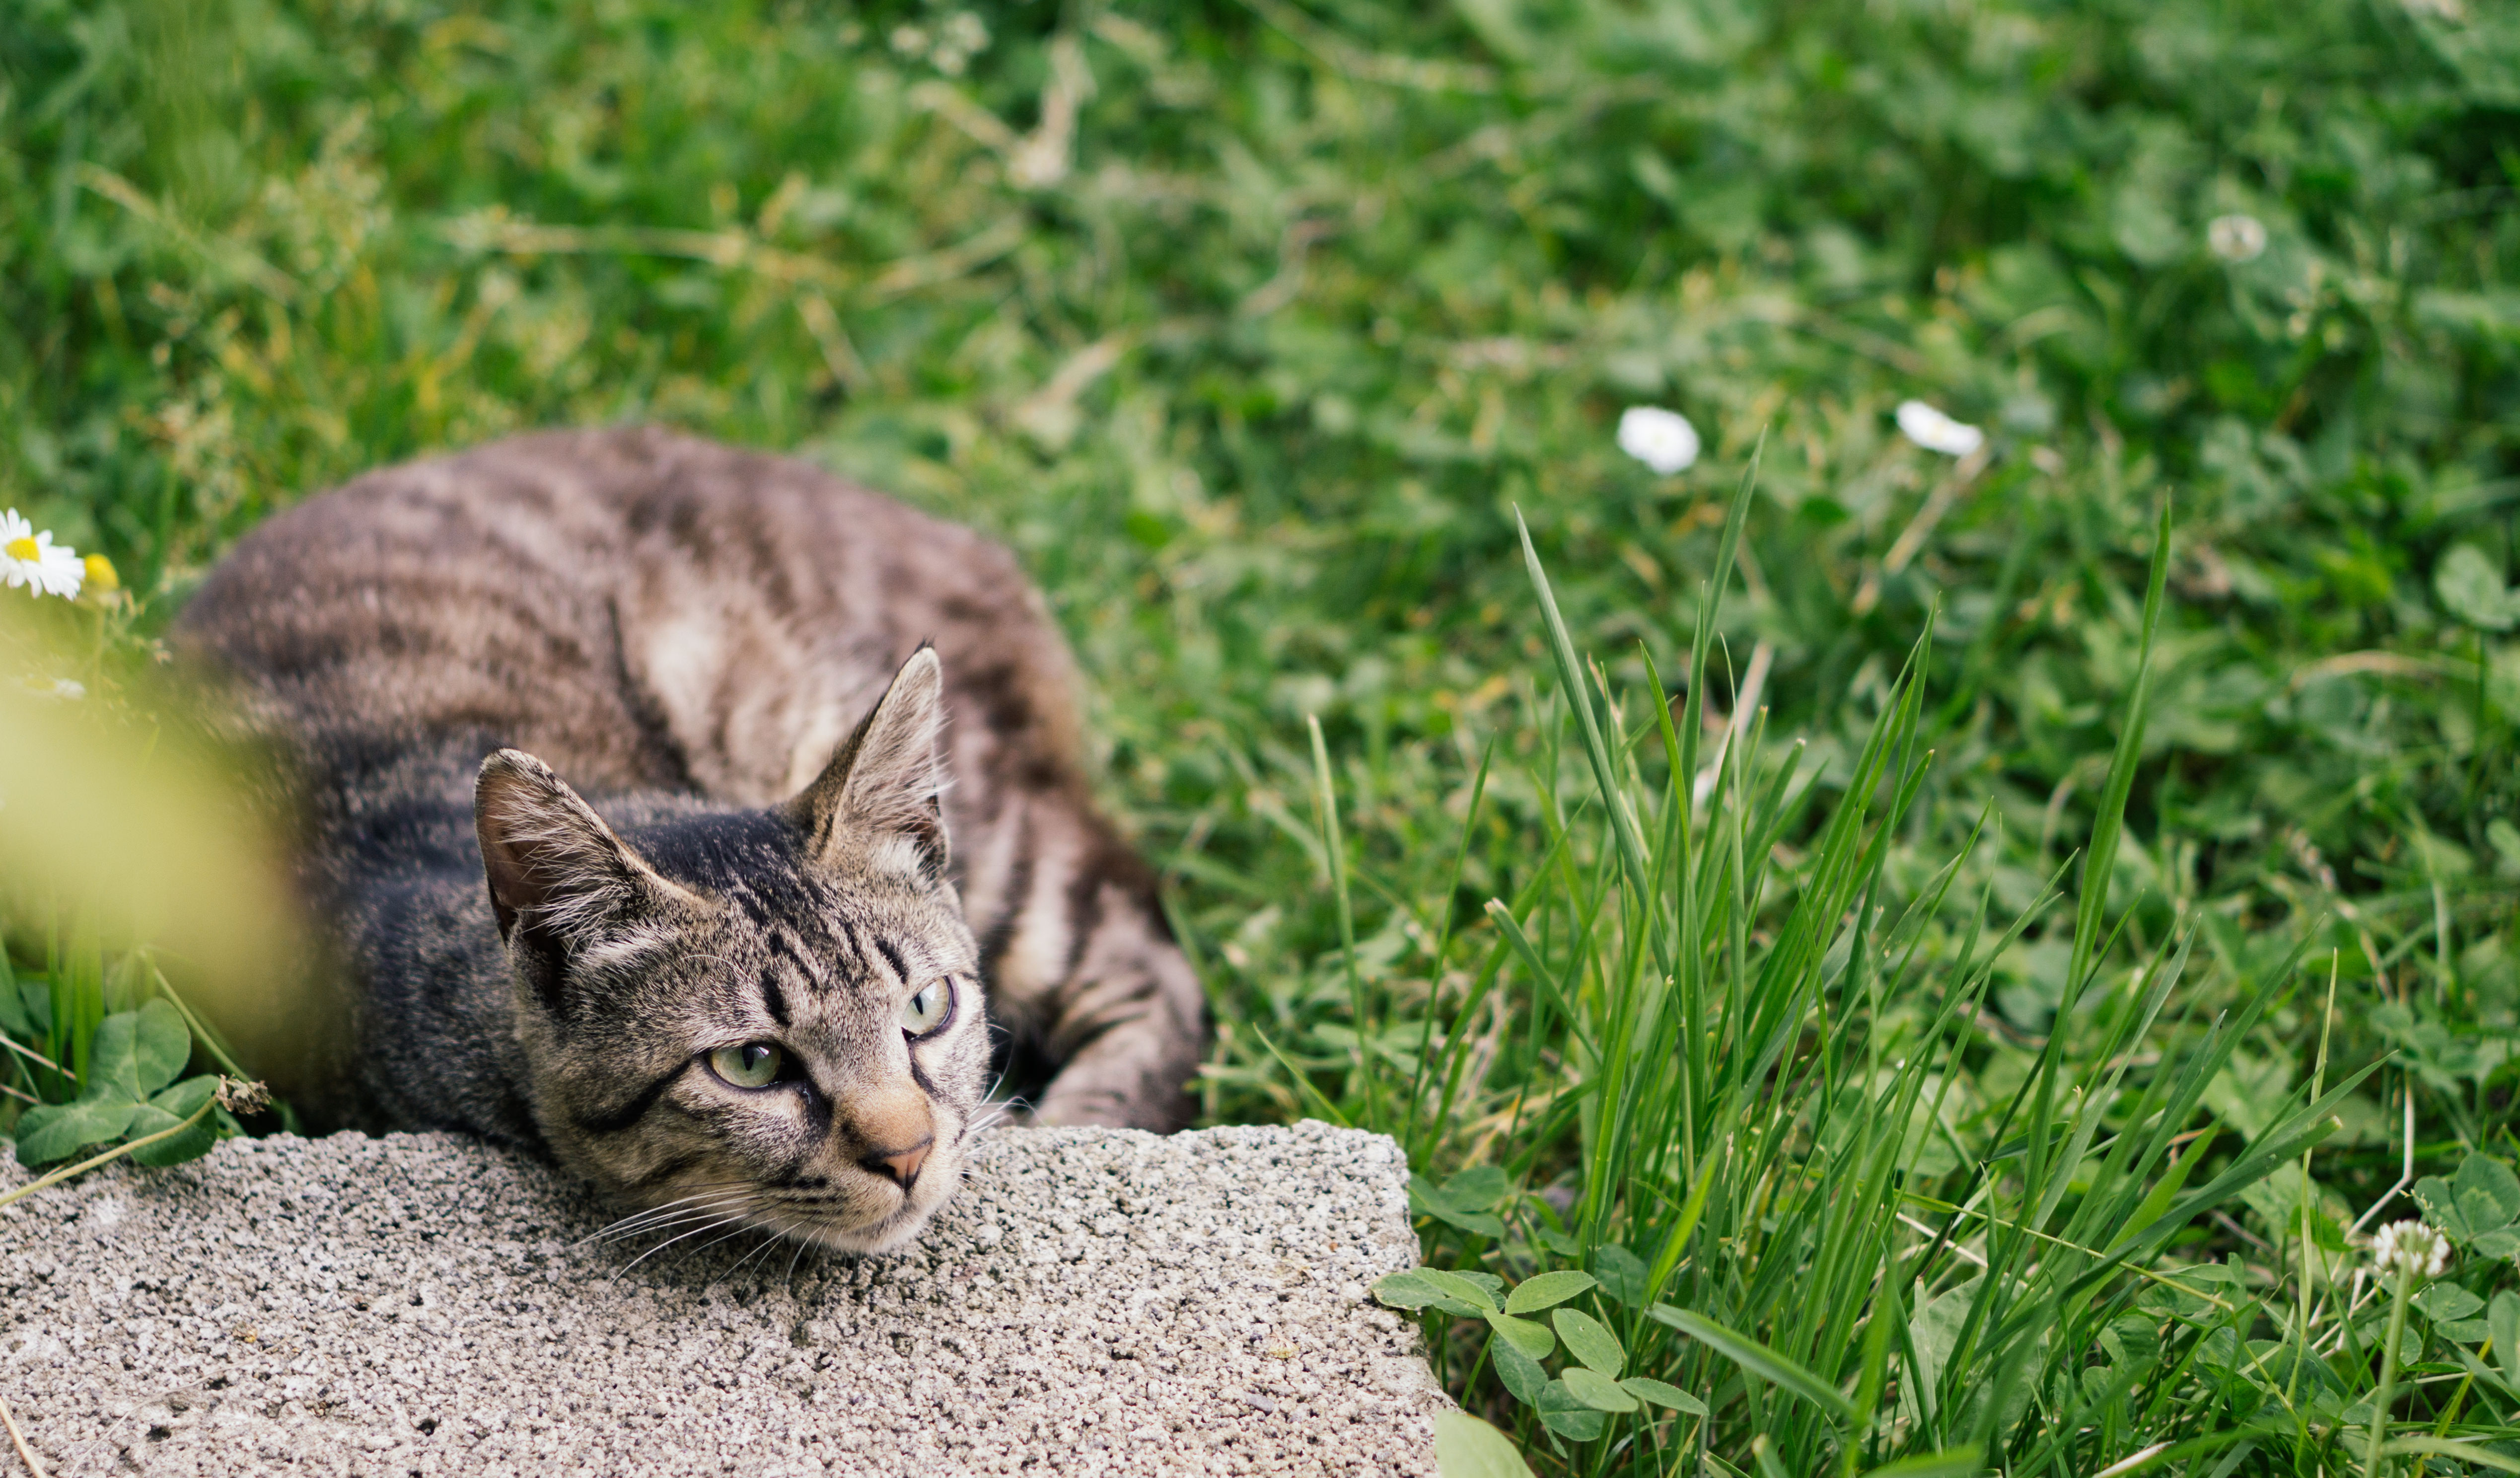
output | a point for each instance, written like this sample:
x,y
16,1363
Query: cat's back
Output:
x,y
642,609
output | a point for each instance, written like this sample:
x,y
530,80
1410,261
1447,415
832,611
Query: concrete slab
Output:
x,y
1094,1301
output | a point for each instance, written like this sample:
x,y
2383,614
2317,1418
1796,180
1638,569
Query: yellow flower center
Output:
x,y
101,574
24,549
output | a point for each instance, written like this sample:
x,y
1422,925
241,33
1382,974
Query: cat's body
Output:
x,y
686,634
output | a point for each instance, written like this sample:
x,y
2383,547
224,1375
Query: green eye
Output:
x,y
930,1009
754,1064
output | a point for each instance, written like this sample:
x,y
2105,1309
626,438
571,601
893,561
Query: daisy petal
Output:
x,y
29,558
1661,440
1935,431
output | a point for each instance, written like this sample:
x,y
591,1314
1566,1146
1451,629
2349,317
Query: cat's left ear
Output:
x,y
879,796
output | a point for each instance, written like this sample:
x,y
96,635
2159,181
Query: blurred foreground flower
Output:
x,y
2236,237
31,559
2410,1246
1935,431
1661,440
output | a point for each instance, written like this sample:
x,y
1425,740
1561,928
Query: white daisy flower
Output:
x,y
1661,440
1935,431
64,690
2410,1246
2236,239
30,558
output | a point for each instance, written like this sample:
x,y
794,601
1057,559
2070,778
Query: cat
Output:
x,y
617,770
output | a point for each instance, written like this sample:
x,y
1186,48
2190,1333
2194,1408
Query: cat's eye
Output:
x,y
928,1012
754,1064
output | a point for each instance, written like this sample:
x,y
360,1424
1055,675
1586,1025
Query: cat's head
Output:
x,y
769,1018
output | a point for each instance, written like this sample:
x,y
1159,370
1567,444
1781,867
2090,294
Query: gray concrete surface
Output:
x,y
1094,1301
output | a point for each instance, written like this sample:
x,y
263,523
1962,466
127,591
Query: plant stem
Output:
x,y
201,1031
115,1153
1334,849
2317,1084
31,1054
2388,1370
25,1454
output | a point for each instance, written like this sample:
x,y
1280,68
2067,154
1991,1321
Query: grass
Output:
x,y
1954,1070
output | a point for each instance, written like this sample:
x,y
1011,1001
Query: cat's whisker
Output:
x,y
713,1213
710,1188
738,1230
655,1216
788,1280
703,1188
707,1215
730,1201
994,1111
776,1234
708,1225
713,1191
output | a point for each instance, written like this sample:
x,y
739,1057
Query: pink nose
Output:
x,y
901,1165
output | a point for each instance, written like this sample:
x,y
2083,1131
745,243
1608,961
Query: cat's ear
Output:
x,y
879,796
555,871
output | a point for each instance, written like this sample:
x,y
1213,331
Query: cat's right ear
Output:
x,y
557,874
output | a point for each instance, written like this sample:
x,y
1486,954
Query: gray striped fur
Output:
x,y
449,654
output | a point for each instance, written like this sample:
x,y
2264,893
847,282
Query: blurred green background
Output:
x,y
1250,325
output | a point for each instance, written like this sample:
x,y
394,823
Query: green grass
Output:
x,y
1955,1053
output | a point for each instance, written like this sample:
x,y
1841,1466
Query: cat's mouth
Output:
x,y
838,1223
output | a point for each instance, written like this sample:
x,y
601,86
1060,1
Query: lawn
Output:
x,y
1994,1044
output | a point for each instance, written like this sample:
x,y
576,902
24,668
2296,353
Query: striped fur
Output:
x,y
696,639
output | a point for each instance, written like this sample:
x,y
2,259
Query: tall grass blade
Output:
x,y
1757,1360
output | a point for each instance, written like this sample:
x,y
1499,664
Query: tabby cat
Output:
x,y
745,974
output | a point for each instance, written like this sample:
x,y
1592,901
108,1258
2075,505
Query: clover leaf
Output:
x,y
57,1130
129,1093
2470,587
1567,1413
1590,1341
1588,1390
2478,1207
1533,1294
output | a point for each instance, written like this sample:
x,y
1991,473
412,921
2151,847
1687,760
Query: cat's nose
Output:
x,y
900,1165
892,1129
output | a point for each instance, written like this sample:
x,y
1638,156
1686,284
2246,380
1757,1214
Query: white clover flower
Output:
x,y
2410,1246
30,558
1661,440
2236,239
1935,431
